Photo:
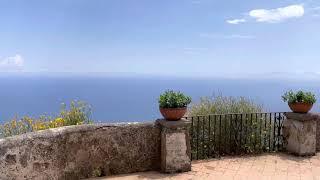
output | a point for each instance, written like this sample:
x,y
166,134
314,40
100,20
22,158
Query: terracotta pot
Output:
x,y
173,114
300,107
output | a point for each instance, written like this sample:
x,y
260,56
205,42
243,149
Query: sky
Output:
x,y
167,37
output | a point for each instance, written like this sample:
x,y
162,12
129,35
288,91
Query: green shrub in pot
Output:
x,y
173,104
300,101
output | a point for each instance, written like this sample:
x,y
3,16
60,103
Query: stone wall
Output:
x,y
318,135
81,151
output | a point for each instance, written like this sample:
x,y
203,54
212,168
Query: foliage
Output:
x,y
230,134
172,99
78,113
219,104
227,114
97,172
299,97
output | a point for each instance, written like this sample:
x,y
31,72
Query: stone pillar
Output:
x,y
318,133
300,133
175,146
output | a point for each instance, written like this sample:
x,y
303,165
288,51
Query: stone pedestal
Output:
x,y
317,116
175,146
299,132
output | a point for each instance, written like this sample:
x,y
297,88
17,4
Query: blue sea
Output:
x,y
123,99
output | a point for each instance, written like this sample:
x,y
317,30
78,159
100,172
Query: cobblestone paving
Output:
x,y
261,167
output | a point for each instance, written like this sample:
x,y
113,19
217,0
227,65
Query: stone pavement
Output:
x,y
271,166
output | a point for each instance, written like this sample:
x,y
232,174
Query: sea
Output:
x,y
132,99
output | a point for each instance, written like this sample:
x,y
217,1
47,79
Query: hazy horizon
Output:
x,y
277,76
118,99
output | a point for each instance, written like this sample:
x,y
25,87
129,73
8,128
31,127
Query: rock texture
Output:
x,y
175,146
84,151
299,131
318,133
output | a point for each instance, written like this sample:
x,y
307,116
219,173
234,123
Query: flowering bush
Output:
x,y
78,113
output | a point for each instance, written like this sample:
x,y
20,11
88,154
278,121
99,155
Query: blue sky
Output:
x,y
168,37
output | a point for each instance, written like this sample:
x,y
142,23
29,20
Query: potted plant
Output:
x,y
173,105
299,102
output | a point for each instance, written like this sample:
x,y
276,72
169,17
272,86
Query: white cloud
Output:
x,y
277,15
273,15
236,21
239,36
230,36
12,63
190,50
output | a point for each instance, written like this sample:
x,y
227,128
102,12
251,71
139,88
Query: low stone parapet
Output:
x,y
83,151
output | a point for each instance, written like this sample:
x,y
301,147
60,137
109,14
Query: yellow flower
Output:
x,y
58,122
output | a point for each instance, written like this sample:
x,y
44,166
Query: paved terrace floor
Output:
x,y
261,167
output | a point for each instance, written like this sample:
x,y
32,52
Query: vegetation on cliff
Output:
x,y
76,114
219,104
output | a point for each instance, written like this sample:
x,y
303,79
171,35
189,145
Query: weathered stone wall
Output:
x,y
318,135
77,152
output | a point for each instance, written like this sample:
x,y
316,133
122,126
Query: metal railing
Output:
x,y
227,134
